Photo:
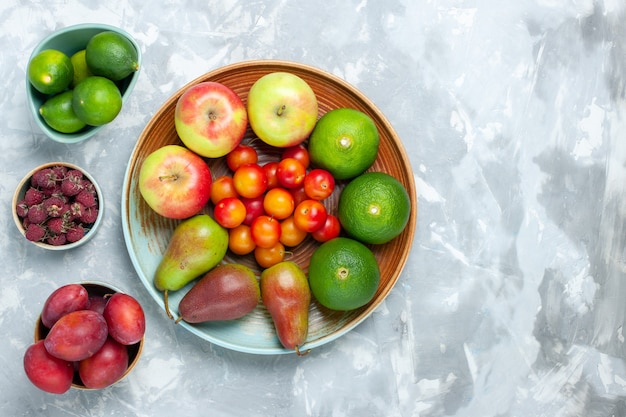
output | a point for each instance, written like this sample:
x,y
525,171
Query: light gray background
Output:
x,y
513,114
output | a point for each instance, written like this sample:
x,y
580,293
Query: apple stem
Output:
x,y
172,177
281,110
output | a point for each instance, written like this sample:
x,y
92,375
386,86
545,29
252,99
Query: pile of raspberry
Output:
x,y
59,206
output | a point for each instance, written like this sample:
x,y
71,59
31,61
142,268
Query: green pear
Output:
x,y
286,295
197,245
226,292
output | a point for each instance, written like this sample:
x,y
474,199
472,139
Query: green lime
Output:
x,y
50,71
97,100
345,142
59,114
81,71
111,55
343,274
374,207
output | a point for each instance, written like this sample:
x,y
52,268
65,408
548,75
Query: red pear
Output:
x,y
227,292
286,295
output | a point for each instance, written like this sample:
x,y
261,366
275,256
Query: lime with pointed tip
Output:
x,y
59,114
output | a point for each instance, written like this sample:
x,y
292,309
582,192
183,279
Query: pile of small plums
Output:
x,y
85,337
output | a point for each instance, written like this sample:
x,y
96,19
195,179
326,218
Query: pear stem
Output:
x,y
299,353
167,305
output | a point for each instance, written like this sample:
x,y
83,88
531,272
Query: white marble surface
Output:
x,y
513,114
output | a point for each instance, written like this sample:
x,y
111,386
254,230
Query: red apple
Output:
x,y
282,109
210,119
175,182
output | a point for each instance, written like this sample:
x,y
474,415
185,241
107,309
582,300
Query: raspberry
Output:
x,y
75,233
89,215
36,214
33,196
45,178
86,198
60,171
35,232
74,175
53,206
88,185
76,210
55,190
37,178
56,225
71,186
22,208
57,240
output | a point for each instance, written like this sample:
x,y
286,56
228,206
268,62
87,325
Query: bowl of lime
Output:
x,y
78,78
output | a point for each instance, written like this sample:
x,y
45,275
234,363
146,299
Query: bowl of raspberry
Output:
x,y
58,206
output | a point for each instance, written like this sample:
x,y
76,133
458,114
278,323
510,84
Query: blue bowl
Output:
x,y
70,40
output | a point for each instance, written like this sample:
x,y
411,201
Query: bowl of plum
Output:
x,y
88,336
58,206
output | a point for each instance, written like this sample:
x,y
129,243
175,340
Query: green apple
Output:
x,y
282,109
175,182
210,119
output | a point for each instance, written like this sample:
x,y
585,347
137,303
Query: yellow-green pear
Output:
x,y
197,245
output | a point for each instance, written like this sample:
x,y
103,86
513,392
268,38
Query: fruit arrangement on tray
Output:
x,y
288,177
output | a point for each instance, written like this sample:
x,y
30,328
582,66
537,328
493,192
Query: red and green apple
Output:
x,y
210,119
175,182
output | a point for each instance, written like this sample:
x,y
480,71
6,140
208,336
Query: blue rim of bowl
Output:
x,y
89,131
92,230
